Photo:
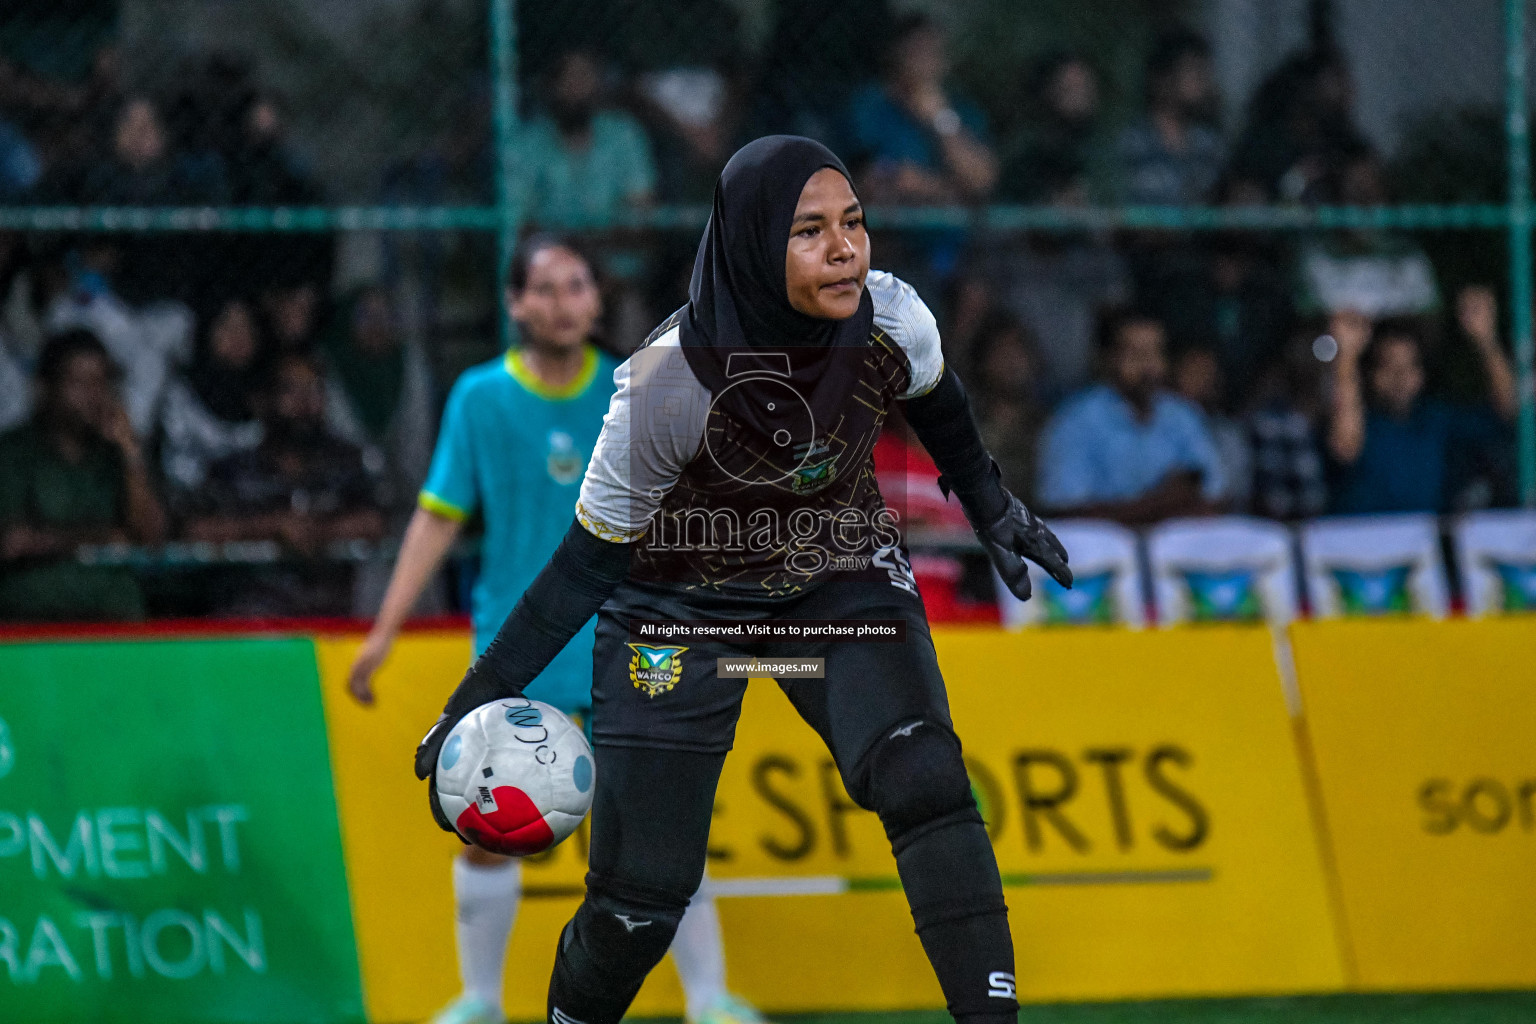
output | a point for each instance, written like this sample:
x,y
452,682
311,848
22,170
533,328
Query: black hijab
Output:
x,y
738,299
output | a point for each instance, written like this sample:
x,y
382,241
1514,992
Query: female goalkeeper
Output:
x,y
733,481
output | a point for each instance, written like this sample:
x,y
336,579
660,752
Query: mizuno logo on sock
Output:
x,y
1002,985
629,926
559,1016
905,730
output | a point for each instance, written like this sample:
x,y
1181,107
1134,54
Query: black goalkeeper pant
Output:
x,y
662,724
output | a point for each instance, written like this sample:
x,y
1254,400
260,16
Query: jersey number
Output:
x,y
897,568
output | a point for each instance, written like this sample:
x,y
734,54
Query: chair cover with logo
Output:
x,y
1374,565
1497,553
1107,581
1226,569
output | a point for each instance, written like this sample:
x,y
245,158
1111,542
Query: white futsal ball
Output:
x,y
515,776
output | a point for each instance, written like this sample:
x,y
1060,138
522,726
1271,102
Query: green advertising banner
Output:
x,y
168,840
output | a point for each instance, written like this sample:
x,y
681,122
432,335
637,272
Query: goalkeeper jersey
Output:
x,y
712,505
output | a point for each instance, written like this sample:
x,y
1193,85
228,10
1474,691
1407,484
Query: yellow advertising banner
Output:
x,y
1148,804
1142,791
1424,736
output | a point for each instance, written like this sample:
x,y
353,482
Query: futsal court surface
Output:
x,y
1430,1008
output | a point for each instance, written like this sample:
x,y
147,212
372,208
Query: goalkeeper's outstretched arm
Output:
x,y
1008,531
582,573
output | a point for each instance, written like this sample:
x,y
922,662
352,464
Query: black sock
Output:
x,y
956,894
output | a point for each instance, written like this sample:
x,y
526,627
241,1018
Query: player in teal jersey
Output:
x,y
516,437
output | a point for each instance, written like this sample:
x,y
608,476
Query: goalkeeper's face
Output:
x,y
828,252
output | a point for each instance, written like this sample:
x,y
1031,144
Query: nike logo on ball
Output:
x,y
630,925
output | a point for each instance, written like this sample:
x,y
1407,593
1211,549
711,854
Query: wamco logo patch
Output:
x,y
655,669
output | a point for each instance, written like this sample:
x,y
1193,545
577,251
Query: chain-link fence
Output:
x,y
350,178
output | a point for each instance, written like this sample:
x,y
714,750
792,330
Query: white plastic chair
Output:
x,y
1497,556
1107,587
1374,565
1226,569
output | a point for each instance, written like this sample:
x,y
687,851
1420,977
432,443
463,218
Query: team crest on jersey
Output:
x,y
813,473
564,461
655,669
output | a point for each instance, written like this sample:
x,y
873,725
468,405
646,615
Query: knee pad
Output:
x,y
620,932
916,781
625,915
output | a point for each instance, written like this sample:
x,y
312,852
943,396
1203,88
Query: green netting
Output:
x,y
415,120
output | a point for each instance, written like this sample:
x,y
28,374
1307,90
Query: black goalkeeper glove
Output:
x,y
426,765
1018,534
475,690
1012,535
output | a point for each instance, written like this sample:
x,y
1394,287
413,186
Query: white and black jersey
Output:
x,y
711,503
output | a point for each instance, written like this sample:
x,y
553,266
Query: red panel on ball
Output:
x,y
516,827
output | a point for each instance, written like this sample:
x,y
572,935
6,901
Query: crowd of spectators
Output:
x,y
220,389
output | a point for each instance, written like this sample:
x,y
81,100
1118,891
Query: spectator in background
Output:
x,y
919,143
1173,155
28,279
455,167
76,474
1397,449
1006,363
1197,378
586,164
59,68
1300,129
49,43
142,170
263,168
1129,449
908,478
914,143
1064,136
21,165
15,397
816,55
202,112
1374,272
303,488
265,171
290,315
210,410
1231,293
690,84
15,387
691,92
1054,283
583,163
1288,478
379,392
144,341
